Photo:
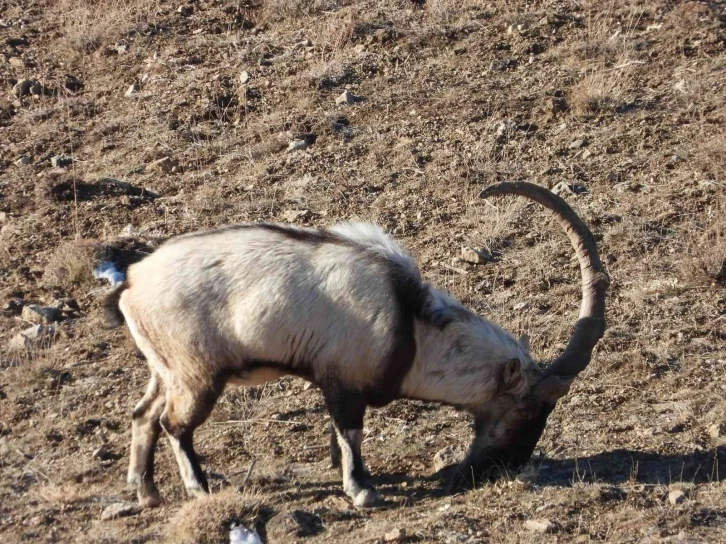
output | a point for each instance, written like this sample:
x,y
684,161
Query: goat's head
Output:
x,y
508,428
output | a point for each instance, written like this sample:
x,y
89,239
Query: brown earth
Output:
x,y
454,95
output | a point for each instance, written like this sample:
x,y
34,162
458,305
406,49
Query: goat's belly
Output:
x,y
256,377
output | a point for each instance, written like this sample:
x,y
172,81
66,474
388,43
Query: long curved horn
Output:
x,y
590,325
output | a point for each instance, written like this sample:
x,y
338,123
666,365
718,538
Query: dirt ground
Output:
x,y
169,119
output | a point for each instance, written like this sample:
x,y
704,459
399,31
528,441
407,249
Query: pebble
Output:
x,y
22,161
40,314
293,215
165,164
473,256
562,188
61,161
396,535
297,145
119,510
540,526
16,42
244,78
717,429
577,144
132,90
17,62
676,496
347,98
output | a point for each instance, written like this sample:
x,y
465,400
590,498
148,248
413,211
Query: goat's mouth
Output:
x,y
488,463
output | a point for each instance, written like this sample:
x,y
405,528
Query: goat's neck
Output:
x,y
456,364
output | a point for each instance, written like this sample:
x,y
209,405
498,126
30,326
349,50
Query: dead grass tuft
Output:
x,y
72,264
208,520
86,25
278,10
596,92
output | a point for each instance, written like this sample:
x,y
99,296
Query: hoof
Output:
x,y
197,492
367,498
151,500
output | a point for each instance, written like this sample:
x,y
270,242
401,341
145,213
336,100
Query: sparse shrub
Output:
x,y
88,24
208,520
277,10
596,92
71,264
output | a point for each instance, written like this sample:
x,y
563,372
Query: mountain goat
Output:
x,y
346,309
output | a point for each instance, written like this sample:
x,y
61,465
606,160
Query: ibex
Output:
x,y
346,309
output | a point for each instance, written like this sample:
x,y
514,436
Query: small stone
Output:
x,y
24,160
717,430
132,90
244,78
291,524
294,215
3,217
121,48
562,189
17,42
449,455
102,453
676,496
165,164
519,306
17,62
185,11
540,526
473,256
297,145
396,535
61,161
40,314
23,86
347,98
30,336
577,144
120,510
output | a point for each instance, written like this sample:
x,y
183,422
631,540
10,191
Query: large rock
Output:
x,y
40,314
291,524
449,455
31,337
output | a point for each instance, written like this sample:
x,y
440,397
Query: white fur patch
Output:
x,y
373,237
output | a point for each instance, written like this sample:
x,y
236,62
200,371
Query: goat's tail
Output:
x,y
111,311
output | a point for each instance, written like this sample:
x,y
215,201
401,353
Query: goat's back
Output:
x,y
315,303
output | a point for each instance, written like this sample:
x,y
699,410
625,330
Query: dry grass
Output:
x,y
88,24
208,520
596,92
71,264
278,10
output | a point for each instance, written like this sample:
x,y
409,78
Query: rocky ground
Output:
x,y
145,118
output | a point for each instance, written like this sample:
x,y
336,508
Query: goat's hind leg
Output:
x,y
347,411
187,407
145,432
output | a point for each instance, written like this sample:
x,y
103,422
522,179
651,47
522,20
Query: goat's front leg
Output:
x,y
347,410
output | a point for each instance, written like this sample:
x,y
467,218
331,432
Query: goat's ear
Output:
x,y
524,342
552,388
512,373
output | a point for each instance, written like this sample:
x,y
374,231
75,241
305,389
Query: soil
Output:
x,y
619,106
